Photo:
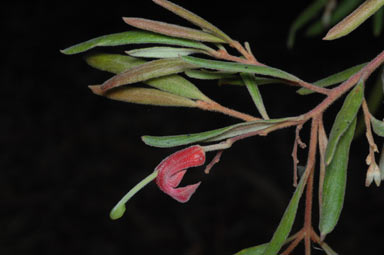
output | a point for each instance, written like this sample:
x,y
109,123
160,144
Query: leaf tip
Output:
x,y
96,89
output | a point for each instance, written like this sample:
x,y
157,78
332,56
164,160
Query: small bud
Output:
x,y
373,174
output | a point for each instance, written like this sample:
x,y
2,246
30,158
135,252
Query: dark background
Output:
x,y
68,156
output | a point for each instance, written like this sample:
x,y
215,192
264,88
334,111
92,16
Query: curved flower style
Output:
x,y
172,169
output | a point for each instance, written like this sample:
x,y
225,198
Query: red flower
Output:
x,y
172,169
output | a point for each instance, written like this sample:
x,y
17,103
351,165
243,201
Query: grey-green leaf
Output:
x,y
193,18
242,68
212,135
149,70
132,37
144,96
335,183
342,9
255,250
354,20
172,30
162,52
286,221
333,79
344,118
253,89
209,75
309,13
377,126
174,84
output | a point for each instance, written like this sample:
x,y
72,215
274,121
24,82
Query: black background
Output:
x,y
68,156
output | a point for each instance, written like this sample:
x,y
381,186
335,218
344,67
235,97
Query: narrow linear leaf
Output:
x,y
153,69
254,91
209,75
240,82
174,84
377,126
335,183
255,250
342,9
378,20
286,221
344,118
172,30
333,79
355,19
304,17
132,37
162,52
242,68
193,18
212,135
144,96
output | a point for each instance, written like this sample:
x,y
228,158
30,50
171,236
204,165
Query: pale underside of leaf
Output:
x,y
377,126
174,84
162,52
212,135
144,96
333,79
172,30
344,118
146,71
193,18
242,68
335,183
132,37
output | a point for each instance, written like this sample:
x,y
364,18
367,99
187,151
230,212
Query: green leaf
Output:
x,y
209,75
242,68
149,70
162,52
377,126
344,118
132,37
335,183
193,18
309,13
212,135
174,84
240,82
354,20
286,221
333,79
342,9
144,96
113,63
255,250
172,30
378,20
254,91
